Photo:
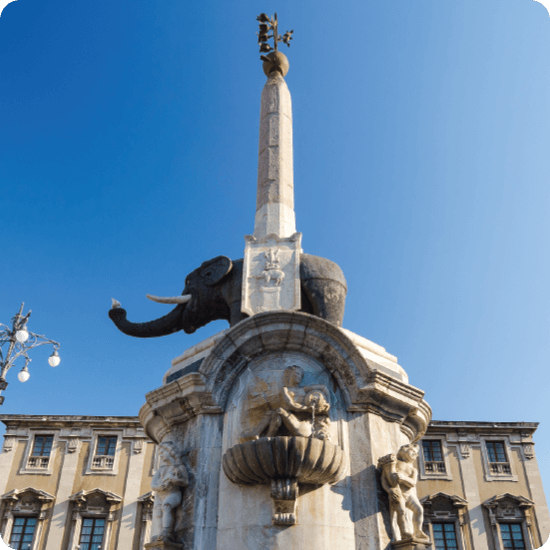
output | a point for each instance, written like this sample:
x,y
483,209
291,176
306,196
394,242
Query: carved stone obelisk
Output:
x,y
271,269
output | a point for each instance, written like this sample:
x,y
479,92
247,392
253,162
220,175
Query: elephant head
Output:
x,y
209,291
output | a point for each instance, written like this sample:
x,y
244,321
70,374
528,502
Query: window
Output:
x,y
104,457
512,536
433,456
433,460
91,537
22,533
498,463
41,452
444,536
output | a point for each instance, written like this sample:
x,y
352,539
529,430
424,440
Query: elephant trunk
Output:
x,y
170,323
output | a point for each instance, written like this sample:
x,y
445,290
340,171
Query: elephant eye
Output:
x,y
208,273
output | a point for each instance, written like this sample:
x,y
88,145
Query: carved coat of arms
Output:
x,y
271,274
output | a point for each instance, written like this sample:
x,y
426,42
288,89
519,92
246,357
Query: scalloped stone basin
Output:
x,y
306,460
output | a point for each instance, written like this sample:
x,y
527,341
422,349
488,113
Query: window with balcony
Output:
x,y
433,456
22,532
104,457
444,536
433,460
91,535
498,461
41,452
512,536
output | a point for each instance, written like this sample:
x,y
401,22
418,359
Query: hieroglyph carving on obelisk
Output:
x,y
271,271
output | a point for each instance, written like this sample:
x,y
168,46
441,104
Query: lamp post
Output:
x,y
16,342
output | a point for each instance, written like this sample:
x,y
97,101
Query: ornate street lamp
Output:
x,y
17,341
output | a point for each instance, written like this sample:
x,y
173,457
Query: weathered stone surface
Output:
x,y
271,274
275,197
399,475
307,460
372,412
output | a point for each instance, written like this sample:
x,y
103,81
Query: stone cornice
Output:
x,y
366,386
175,403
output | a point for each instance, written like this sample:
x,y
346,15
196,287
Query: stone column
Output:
x,y
61,508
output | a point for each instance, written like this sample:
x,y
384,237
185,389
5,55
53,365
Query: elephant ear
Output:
x,y
213,271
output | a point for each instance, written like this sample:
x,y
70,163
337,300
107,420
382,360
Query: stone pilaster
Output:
x,y
62,503
131,494
471,493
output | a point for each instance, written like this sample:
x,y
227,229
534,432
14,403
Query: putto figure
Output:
x,y
167,483
399,476
302,411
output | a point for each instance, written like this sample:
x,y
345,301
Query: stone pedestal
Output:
x,y
265,473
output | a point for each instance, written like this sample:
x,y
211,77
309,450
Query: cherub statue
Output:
x,y
302,410
167,484
399,476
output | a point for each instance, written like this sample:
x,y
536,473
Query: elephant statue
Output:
x,y
213,291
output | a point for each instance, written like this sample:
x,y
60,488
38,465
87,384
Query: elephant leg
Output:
x,y
326,298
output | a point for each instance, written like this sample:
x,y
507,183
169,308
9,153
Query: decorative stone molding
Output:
x,y
364,387
528,451
174,404
449,508
72,444
95,503
147,501
9,442
465,449
138,445
508,508
25,502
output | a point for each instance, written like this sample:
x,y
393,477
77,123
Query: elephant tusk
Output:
x,y
115,304
170,299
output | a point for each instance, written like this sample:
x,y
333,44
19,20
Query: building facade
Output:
x,y
69,482
83,482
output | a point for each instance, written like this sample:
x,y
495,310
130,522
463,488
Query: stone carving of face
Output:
x,y
293,376
408,453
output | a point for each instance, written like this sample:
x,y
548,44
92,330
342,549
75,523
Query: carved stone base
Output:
x,y
163,545
411,543
284,493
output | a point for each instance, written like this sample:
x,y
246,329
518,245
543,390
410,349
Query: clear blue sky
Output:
x,y
128,155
